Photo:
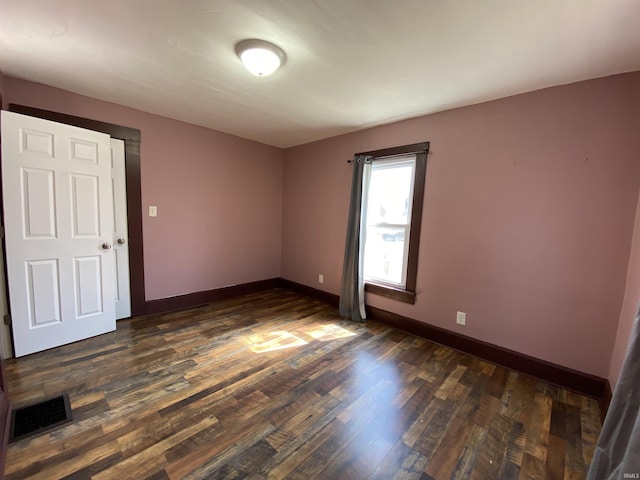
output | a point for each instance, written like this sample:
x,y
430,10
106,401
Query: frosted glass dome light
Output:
x,y
260,57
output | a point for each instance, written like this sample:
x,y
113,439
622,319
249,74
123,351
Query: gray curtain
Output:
x,y
352,289
618,448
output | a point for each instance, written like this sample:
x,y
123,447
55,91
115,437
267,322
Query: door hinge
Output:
x,y
7,319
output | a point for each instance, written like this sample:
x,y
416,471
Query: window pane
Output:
x,y
389,196
390,189
384,254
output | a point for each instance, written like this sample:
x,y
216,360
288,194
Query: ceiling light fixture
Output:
x,y
260,57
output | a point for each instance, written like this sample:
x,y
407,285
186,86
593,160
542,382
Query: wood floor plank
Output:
x,y
538,434
400,463
520,390
275,385
554,466
574,467
532,468
287,466
361,456
431,437
443,462
590,425
69,465
203,460
469,458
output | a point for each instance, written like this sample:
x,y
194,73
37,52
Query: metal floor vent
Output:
x,y
40,417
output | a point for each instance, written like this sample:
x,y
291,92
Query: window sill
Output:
x,y
394,293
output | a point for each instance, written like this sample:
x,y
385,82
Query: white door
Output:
x,y
58,212
120,238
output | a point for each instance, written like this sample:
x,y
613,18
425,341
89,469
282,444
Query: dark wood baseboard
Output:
x,y
605,401
190,300
5,418
330,298
5,427
564,377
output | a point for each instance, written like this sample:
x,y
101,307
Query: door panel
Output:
x,y
86,213
88,278
35,142
39,203
44,292
58,211
82,151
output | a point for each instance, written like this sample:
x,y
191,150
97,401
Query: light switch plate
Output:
x,y
153,211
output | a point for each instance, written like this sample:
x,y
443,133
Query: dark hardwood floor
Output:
x,y
275,385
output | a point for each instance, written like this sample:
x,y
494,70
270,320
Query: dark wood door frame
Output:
x,y
5,419
131,137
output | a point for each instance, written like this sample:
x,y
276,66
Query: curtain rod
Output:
x,y
415,148
426,152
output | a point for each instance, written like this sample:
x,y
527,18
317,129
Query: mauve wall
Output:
x,y
527,221
219,197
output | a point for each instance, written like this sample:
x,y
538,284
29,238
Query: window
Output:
x,y
388,220
393,191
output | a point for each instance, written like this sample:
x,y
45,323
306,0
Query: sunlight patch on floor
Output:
x,y
329,332
279,340
273,341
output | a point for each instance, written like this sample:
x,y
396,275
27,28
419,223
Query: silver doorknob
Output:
x,y
121,241
106,246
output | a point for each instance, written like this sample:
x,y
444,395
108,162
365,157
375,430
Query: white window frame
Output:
x,y
382,164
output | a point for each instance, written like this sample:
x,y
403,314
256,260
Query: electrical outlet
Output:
x,y
461,318
320,278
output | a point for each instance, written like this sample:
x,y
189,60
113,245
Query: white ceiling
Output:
x,y
351,64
